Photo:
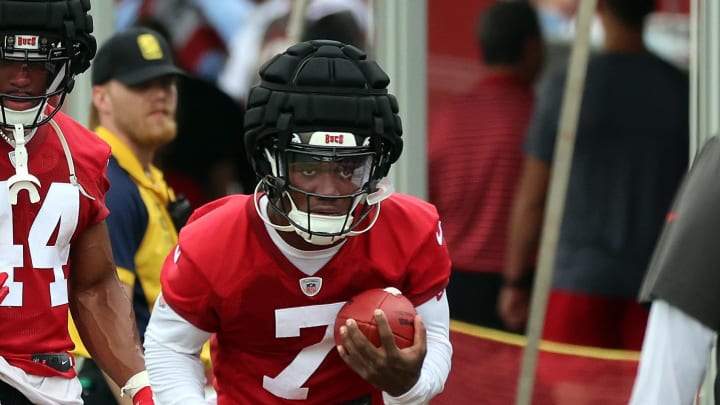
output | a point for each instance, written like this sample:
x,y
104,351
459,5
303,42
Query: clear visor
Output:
x,y
330,172
34,69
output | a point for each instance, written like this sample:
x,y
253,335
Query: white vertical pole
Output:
x,y
704,73
296,22
77,103
401,50
694,76
713,68
564,146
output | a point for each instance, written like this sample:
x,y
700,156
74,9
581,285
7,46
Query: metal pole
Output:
x,y
296,22
695,67
564,146
77,104
401,49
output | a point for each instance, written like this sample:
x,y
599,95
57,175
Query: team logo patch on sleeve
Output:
x,y
310,286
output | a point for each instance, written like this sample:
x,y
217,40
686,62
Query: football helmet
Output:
x,y
50,34
322,109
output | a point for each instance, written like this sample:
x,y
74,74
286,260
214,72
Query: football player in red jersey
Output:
x,y
54,248
266,274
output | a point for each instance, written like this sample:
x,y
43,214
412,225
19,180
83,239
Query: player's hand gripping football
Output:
x,y
4,290
387,367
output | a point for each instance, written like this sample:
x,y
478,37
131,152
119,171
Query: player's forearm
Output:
x,y
106,323
436,366
526,221
102,312
524,237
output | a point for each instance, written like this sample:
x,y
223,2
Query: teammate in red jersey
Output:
x,y
54,248
266,274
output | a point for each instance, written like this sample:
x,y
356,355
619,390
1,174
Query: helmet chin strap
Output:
x,y
22,179
25,117
321,223
296,215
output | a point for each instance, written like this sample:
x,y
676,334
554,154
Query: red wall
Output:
x,y
453,58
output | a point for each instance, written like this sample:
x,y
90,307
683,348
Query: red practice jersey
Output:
x,y
273,323
35,239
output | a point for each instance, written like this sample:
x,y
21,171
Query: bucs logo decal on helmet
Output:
x,y
23,41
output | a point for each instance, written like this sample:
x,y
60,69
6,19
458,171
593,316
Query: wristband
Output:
x,y
136,383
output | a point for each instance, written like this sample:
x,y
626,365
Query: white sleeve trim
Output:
x,y
436,367
172,349
674,357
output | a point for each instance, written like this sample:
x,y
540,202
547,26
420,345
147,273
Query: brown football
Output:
x,y
399,311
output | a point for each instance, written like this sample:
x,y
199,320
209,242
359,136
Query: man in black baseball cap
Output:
x,y
134,100
133,57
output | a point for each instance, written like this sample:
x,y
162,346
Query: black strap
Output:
x,y
59,361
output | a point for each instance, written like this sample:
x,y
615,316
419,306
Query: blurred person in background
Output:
x,y
134,99
630,153
475,157
207,158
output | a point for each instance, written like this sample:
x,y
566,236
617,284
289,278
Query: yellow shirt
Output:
x,y
141,230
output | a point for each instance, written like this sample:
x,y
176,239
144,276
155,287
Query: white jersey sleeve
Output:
x,y
172,350
435,315
673,359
